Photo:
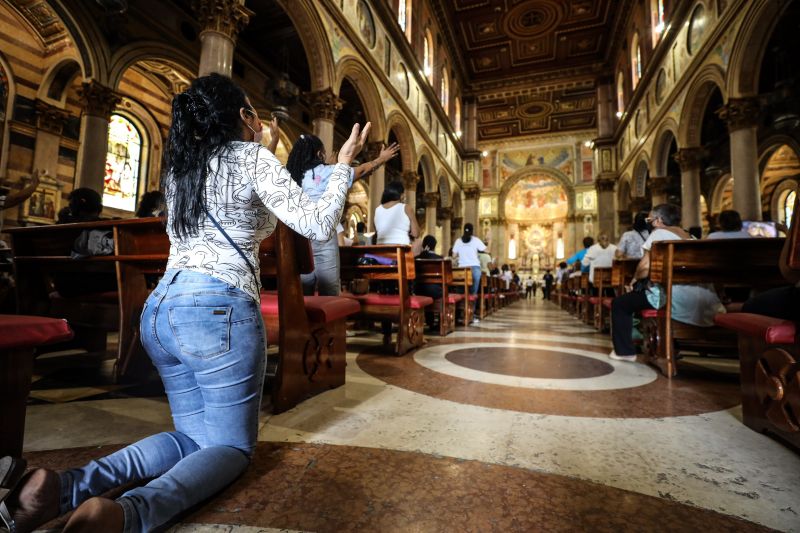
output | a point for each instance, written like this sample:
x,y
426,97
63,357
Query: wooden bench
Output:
x,y
462,283
439,272
769,357
42,262
310,331
403,308
600,302
751,263
313,346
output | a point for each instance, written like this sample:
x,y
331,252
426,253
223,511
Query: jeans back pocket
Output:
x,y
202,331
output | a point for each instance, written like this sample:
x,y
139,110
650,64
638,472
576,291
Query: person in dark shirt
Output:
x,y
548,285
85,205
428,289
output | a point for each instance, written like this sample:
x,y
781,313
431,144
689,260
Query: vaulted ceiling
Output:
x,y
532,64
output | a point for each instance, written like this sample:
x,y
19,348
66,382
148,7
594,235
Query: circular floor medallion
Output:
x,y
531,363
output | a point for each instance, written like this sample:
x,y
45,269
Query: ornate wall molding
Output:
x,y
740,113
50,118
689,158
324,104
98,100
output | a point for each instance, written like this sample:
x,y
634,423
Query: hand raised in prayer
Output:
x,y
353,145
388,152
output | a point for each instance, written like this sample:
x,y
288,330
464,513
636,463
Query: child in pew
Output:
x,y
202,325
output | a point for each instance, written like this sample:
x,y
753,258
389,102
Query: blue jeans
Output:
x,y
208,343
476,285
325,279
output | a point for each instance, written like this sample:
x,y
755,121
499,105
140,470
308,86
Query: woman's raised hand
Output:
x,y
353,145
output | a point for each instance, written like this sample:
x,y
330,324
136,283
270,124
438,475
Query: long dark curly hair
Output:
x,y
304,155
205,120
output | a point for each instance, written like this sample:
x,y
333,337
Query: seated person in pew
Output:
x,y
151,205
730,226
85,205
428,289
577,257
395,221
601,254
307,166
561,272
202,325
361,239
630,244
691,304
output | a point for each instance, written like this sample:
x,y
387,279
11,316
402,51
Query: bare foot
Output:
x,y
36,501
96,514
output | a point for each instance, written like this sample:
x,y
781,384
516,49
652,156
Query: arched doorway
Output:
x,y
779,177
534,208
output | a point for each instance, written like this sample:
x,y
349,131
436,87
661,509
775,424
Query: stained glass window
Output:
x,y
445,93
123,164
427,60
401,14
620,94
457,115
636,61
788,208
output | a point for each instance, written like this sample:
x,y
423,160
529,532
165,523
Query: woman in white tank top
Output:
x,y
395,222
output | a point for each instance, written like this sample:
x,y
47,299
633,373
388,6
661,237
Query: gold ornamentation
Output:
x,y
98,100
228,17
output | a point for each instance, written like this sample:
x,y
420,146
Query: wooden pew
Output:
x,y
462,283
769,357
440,272
42,259
310,331
601,303
311,351
403,309
749,263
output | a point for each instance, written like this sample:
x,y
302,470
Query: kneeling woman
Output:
x,y
691,304
202,325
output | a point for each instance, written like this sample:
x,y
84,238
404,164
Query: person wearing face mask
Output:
x,y
201,326
307,165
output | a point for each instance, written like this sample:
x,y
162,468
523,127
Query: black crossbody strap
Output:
x,y
225,234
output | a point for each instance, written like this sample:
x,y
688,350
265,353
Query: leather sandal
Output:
x,y
11,471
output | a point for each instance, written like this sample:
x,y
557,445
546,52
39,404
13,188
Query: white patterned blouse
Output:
x,y
247,191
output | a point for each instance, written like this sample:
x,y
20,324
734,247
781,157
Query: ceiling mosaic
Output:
x,y
528,114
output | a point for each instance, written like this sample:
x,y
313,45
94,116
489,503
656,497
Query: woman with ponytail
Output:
x,y
202,325
466,251
307,165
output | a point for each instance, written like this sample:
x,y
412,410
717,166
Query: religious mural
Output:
x,y
536,198
558,157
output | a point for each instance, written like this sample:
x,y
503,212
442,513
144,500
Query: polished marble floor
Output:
x,y
520,423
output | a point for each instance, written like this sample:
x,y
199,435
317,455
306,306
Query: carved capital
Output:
x,y
457,222
657,185
431,199
444,213
324,104
98,100
604,185
689,158
50,118
227,17
410,180
740,113
472,193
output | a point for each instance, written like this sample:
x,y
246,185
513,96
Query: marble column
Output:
x,y
325,106
50,122
377,179
690,160
431,203
98,102
410,181
605,206
221,20
742,116
471,197
658,189
571,236
444,217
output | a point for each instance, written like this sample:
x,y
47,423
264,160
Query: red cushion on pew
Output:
x,y
594,300
417,302
473,297
735,307
652,313
607,302
455,298
20,331
772,330
318,308
582,298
